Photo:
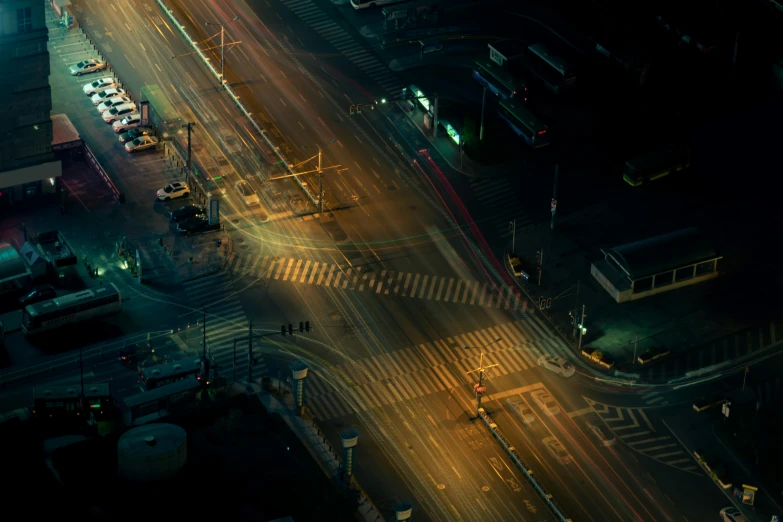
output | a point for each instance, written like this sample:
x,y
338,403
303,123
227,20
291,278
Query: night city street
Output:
x,y
376,260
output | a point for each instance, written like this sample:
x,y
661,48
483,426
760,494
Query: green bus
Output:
x,y
498,81
524,124
656,164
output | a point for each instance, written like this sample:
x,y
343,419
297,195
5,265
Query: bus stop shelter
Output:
x,y
655,265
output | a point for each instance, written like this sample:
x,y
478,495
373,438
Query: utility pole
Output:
x,y
189,126
250,352
744,378
513,234
576,308
81,376
320,183
480,388
540,265
582,327
483,104
435,116
635,345
223,50
204,336
554,198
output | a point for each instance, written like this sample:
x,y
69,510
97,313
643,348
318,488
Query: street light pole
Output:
x,y
479,388
189,126
320,184
582,327
483,104
222,50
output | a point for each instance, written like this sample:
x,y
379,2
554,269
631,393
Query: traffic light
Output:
x,y
218,242
290,329
571,316
541,302
307,326
282,329
359,109
538,260
301,327
549,303
353,110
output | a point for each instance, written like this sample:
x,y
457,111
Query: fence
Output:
x,y
93,162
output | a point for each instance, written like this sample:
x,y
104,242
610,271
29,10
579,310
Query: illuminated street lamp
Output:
x,y
479,388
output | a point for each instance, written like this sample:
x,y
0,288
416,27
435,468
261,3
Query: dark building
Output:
x,y
28,167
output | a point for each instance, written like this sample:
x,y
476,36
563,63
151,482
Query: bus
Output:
x,y
498,81
524,124
656,165
363,4
72,308
162,374
160,402
52,402
560,66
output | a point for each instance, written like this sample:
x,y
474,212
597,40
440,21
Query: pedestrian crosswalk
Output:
x,y
632,427
361,56
497,194
225,320
383,282
404,375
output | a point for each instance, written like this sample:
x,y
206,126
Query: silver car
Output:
x,y
141,143
98,85
87,66
118,112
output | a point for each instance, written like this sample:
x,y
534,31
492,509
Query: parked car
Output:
x,y
87,66
246,192
596,430
113,102
193,224
732,514
653,354
557,450
106,94
38,294
187,211
141,143
119,112
135,133
557,365
130,121
175,190
522,410
98,85
546,402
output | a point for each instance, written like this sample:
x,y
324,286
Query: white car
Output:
x,y
131,121
732,514
596,429
106,94
113,102
176,190
141,143
557,365
87,66
118,112
247,193
557,450
546,402
98,85
522,410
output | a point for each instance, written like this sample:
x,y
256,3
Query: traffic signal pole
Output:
x,y
540,265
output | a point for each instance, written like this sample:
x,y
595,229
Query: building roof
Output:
x,y
11,264
63,130
662,253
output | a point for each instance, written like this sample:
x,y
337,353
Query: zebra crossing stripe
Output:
x,y
280,266
423,286
415,284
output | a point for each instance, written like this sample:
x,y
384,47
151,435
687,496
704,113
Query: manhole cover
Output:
x,y
334,316
412,207
441,486
484,488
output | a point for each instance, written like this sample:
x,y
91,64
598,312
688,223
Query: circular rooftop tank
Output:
x,y
153,452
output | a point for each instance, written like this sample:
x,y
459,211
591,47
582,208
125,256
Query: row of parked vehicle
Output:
x,y
118,109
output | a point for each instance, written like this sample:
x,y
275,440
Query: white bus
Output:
x,y
72,308
563,69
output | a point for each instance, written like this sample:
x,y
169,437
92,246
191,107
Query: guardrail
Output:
x,y
545,495
93,162
227,88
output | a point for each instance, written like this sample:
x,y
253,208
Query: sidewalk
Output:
x,y
308,432
696,434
